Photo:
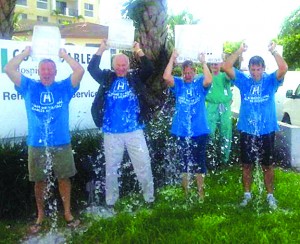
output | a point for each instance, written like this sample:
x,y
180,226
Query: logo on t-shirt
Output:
x,y
256,96
255,90
46,98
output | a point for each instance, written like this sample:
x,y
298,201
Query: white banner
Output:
x,y
13,120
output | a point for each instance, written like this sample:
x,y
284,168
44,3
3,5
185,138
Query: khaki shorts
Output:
x,y
43,161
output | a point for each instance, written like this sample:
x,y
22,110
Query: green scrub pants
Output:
x,y
219,117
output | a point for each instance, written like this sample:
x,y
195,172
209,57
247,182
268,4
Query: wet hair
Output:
x,y
120,55
47,60
187,63
256,60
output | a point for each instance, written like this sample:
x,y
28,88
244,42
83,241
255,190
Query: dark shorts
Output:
x,y
257,149
43,161
192,154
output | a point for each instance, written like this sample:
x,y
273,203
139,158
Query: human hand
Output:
x,y
62,53
27,51
103,46
243,47
201,57
136,47
174,55
272,47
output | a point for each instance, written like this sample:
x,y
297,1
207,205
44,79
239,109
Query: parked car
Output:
x,y
288,99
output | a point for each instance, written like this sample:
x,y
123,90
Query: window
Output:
x,y
61,7
88,9
22,2
92,44
297,92
42,18
22,16
43,4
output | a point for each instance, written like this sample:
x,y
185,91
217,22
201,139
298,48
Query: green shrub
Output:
x,y
15,189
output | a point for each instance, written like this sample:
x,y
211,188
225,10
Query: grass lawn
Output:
x,y
174,218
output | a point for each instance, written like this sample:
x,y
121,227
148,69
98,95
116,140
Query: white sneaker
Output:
x,y
246,200
272,201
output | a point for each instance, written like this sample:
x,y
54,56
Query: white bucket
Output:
x,y
190,40
121,34
46,42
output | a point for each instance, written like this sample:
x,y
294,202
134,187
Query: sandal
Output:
x,y
74,223
35,228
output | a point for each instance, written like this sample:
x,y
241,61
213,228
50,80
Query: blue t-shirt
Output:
x,y
121,108
257,111
190,117
47,110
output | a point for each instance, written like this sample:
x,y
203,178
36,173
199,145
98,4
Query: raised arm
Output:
x,y
12,66
282,65
78,70
206,72
228,65
167,76
93,66
147,67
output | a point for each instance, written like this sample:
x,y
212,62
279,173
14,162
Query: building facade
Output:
x,y
59,11
78,20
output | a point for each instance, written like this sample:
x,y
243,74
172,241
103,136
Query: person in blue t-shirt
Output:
x,y
189,124
122,120
49,149
257,118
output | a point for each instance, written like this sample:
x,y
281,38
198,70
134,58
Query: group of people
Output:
x,y
202,103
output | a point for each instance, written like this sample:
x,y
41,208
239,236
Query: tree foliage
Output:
x,y
289,38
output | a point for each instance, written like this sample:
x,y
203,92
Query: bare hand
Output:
x,y
201,58
103,46
27,50
272,46
174,55
243,47
136,47
62,53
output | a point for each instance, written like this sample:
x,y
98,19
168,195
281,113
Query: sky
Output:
x,y
234,20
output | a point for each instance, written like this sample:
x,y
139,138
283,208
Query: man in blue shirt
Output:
x,y
189,124
121,119
257,118
49,149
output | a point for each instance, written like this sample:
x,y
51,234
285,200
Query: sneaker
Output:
x,y
246,200
272,201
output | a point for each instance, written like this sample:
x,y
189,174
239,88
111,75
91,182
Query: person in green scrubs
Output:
x,y
218,104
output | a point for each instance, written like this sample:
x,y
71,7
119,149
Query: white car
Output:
x,y
288,99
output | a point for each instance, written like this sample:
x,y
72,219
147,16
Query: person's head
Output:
x,y
215,67
47,71
256,67
188,71
120,64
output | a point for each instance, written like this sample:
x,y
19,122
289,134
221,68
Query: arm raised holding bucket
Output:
x,y
12,67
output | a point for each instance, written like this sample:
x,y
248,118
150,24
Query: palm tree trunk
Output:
x,y
6,18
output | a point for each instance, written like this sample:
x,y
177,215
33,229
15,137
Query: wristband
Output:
x,y
274,52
